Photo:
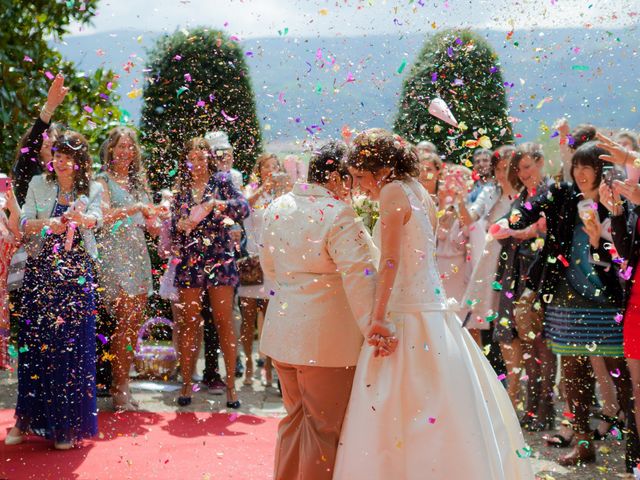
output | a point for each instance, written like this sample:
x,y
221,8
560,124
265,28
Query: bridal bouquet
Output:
x,y
367,210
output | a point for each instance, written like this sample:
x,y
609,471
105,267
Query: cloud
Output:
x,y
310,18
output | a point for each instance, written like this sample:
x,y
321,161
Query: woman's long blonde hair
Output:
x,y
137,177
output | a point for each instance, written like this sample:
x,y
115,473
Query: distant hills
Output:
x,y
586,74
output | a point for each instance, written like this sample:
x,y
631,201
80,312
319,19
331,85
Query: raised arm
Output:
x,y
28,163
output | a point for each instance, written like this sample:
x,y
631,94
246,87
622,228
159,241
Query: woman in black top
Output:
x,y
579,289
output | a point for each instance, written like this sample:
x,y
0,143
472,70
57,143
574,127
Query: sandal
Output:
x,y
611,422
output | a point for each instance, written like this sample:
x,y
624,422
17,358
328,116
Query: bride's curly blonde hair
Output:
x,y
377,148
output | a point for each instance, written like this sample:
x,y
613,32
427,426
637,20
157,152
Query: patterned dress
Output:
x,y
56,343
206,253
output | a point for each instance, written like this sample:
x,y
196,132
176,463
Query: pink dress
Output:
x,y
7,249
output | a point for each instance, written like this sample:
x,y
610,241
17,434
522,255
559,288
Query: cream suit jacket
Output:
x,y
315,249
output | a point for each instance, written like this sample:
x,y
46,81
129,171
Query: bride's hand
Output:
x,y
382,337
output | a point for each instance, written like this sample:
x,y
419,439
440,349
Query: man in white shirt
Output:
x,y
316,251
222,152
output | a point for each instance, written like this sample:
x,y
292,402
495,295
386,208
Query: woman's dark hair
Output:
x,y
377,148
185,181
529,149
589,155
55,129
74,145
327,159
629,136
505,152
582,134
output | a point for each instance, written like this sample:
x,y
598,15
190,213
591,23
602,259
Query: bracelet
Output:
x,y
46,112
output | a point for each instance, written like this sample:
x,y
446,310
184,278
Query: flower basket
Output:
x,y
154,361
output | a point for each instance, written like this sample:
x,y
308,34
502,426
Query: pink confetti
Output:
x,y
24,150
88,109
49,75
200,103
27,59
501,377
177,58
187,77
227,117
233,417
432,420
281,98
527,205
619,318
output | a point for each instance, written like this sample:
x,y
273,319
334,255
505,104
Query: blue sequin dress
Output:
x,y
56,341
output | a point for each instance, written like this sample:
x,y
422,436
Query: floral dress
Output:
x,y
206,254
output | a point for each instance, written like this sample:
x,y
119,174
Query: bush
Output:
x,y
461,68
197,81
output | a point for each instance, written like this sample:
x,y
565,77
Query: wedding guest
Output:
x,y
205,205
56,362
222,152
430,171
481,170
570,140
10,236
314,249
580,291
518,254
124,266
627,140
492,204
452,235
254,299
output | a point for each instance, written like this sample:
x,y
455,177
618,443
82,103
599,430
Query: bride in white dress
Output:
x,y
425,402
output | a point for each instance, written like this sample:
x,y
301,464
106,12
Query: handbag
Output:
x,y
250,271
528,316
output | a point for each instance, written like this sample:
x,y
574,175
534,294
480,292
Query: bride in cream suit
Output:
x,y
425,402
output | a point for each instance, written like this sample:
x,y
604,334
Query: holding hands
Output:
x,y
382,337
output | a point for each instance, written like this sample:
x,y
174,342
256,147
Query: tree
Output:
x,y
27,63
461,68
198,82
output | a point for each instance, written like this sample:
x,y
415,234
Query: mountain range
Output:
x,y
588,75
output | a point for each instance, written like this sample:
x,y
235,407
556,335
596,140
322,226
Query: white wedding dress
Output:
x,y
434,409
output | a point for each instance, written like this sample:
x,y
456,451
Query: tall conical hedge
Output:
x,y
197,81
460,67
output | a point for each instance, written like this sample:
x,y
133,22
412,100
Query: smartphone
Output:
x,y
610,174
5,184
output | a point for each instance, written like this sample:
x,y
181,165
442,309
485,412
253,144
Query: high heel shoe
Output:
x,y
235,404
558,440
611,422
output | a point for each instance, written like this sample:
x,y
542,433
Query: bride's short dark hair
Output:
x,y
378,148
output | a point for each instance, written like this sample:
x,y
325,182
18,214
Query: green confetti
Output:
x,y
129,348
174,170
318,88
580,68
23,349
526,452
283,32
496,286
402,65
492,317
125,116
180,91
81,280
437,291
43,232
12,351
116,226
516,44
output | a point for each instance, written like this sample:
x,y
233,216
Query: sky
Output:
x,y
311,18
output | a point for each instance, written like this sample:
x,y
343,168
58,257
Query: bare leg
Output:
x,y
634,370
512,354
129,313
191,323
548,363
268,364
221,299
610,405
249,311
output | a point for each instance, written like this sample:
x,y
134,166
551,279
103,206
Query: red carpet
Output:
x,y
140,446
